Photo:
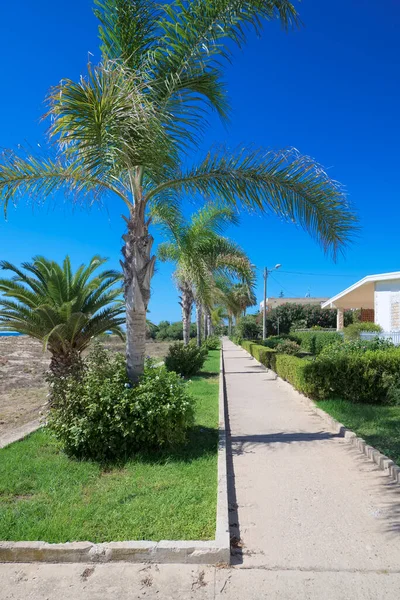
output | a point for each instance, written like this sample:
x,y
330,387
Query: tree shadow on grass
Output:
x,y
202,442
204,375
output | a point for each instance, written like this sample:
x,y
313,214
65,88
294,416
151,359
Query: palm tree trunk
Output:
x,y
187,305
199,311
229,325
209,324
205,322
138,268
64,364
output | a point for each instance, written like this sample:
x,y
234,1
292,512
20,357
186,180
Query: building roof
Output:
x,y
273,302
360,294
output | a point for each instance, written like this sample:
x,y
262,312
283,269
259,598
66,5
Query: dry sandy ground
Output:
x,y
22,384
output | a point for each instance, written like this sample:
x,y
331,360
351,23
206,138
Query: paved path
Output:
x,y
306,500
317,520
18,433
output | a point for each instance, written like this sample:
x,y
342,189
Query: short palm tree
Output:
x,y
200,254
122,132
62,309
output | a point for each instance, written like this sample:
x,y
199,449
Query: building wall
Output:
x,y
387,304
274,302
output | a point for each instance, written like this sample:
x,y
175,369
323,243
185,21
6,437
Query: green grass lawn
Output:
x,y
44,495
378,425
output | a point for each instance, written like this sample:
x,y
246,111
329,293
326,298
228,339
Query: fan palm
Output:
x,y
200,254
62,309
122,130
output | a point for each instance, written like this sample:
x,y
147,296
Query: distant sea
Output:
x,y
2,333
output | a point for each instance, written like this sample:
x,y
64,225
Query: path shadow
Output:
x,y
234,525
244,444
387,501
392,507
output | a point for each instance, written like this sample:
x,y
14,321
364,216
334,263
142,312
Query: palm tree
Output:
x,y
234,297
200,254
62,309
122,131
244,297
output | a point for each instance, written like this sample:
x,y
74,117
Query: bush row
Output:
x,y
261,353
315,341
371,376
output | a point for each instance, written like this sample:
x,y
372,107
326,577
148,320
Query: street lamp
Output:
x,y
266,273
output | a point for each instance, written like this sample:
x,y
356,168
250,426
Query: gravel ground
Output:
x,y
22,376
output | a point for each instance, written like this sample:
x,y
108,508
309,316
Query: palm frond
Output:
x,y
285,183
40,177
201,254
128,29
213,217
108,122
167,251
194,38
65,309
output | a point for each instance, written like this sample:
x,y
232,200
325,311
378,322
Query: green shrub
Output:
x,y
213,342
315,341
248,327
352,332
359,371
360,346
292,369
263,355
287,317
247,345
288,347
355,376
102,417
173,331
185,360
273,340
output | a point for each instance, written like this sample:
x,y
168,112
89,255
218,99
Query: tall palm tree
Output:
x,y
244,296
200,254
62,309
235,298
122,130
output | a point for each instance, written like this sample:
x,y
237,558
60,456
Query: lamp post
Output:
x,y
266,273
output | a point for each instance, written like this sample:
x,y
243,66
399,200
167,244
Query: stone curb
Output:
x,y
383,462
192,552
19,433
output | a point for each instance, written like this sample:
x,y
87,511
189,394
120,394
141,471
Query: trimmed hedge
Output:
x,y
372,376
288,367
315,341
358,377
292,369
264,355
246,344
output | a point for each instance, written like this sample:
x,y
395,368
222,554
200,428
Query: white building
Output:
x,y
378,297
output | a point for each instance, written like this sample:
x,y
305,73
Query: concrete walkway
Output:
x,y
18,433
313,519
305,499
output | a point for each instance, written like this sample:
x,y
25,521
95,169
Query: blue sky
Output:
x,y
330,89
